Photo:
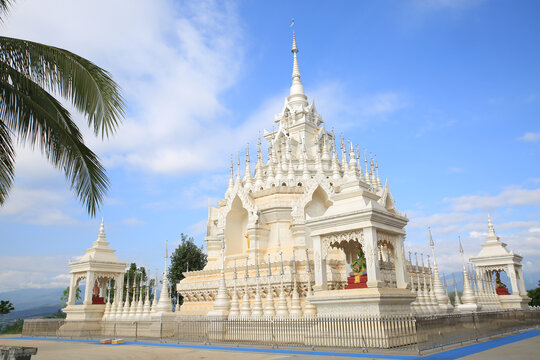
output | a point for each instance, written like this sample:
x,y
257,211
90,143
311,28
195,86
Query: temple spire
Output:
x,y
491,231
101,234
247,171
297,89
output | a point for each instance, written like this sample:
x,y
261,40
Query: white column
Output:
x,y
88,288
400,263
521,281
72,291
512,275
372,259
102,287
319,260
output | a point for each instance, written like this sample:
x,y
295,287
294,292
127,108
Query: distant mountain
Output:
x,y
25,299
36,312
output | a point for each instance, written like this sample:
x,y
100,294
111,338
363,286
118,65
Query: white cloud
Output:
x,y
530,137
510,196
173,60
39,206
133,221
23,272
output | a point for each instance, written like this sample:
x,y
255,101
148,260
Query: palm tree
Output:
x,y
30,74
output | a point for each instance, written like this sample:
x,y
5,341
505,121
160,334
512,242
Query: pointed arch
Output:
x,y
318,203
236,221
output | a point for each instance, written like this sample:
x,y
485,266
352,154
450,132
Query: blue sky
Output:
x,y
446,93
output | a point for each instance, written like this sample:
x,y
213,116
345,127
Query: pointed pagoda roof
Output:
x,y
100,255
494,250
296,94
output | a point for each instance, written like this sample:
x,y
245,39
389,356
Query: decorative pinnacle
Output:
x,y
491,229
294,262
460,247
431,243
297,90
294,47
101,234
307,261
269,267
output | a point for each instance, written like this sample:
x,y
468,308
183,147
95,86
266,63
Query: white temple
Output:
x,y
311,232
305,202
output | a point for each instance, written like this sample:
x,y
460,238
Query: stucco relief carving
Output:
x,y
329,240
494,268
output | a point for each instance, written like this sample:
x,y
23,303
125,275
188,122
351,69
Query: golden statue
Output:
x,y
247,237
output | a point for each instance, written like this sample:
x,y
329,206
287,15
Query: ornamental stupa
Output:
x,y
305,197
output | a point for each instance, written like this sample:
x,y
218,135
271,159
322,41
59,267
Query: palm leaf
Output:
x,y
7,162
89,88
39,119
4,8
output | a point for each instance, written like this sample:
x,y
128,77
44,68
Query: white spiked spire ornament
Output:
x,y
269,307
235,305
468,298
442,298
366,174
245,308
101,235
492,237
296,307
335,163
297,89
222,302
359,162
231,178
238,177
282,309
344,163
257,303
164,304
379,184
247,171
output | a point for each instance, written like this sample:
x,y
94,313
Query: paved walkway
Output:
x,y
522,346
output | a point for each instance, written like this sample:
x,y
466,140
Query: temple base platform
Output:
x,y
509,302
366,301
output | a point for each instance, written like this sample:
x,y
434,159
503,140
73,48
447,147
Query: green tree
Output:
x,y
534,294
14,327
136,276
186,255
6,307
31,75
65,295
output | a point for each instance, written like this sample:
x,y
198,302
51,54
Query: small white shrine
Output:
x,y
98,266
495,258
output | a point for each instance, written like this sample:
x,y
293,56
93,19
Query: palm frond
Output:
x,y
7,162
89,88
39,119
4,8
